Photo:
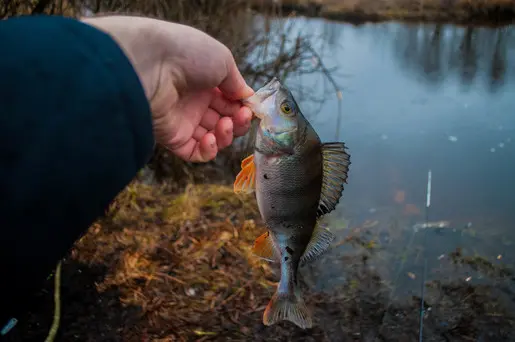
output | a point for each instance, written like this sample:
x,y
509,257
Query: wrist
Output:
x,y
132,36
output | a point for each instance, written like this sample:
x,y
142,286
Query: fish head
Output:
x,y
281,119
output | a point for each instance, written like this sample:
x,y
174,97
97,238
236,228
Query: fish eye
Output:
x,y
286,108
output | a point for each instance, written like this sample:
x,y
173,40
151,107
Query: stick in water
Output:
x,y
428,204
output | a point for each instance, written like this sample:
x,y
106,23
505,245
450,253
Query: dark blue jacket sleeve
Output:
x,y
75,128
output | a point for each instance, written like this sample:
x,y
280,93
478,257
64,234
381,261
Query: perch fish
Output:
x,y
297,179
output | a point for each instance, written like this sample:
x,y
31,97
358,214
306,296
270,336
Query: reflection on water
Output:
x,y
416,99
425,97
437,52
419,98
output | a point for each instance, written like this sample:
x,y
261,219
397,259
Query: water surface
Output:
x,y
419,98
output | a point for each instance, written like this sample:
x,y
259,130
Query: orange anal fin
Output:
x,y
246,179
265,249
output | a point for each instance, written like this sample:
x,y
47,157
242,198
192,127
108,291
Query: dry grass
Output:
x,y
456,11
177,266
183,259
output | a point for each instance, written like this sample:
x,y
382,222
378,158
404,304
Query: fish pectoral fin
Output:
x,y
247,161
246,180
289,307
336,163
264,248
318,245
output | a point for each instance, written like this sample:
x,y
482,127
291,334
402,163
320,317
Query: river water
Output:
x,y
427,97
417,97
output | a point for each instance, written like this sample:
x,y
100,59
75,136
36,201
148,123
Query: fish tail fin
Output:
x,y
289,307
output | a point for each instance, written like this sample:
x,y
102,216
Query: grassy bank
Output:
x,y
164,265
361,11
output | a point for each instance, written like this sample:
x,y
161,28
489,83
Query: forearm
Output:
x,y
75,127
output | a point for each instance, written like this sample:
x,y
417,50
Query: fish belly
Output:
x,y
288,193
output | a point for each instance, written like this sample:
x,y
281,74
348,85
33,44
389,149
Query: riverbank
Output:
x,y
167,265
486,12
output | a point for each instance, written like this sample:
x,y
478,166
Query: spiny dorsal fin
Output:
x,y
335,168
318,245
265,249
246,179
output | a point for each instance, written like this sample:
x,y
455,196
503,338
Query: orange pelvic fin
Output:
x,y
264,248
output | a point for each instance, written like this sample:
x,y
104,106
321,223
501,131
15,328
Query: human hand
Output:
x,y
191,81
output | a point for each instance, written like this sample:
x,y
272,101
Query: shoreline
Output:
x,y
494,13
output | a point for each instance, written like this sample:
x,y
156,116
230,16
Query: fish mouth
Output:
x,y
254,102
281,131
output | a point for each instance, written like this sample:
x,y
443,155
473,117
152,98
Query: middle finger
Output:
x,y
209,119
223,105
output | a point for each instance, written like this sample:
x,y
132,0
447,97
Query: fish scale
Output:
x,y
282,193
297,179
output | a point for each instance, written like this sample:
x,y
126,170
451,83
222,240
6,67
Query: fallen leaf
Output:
x,y
399,196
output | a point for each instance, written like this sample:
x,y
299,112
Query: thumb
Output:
x,y
233,85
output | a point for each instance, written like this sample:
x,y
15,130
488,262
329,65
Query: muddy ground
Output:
x,y
176,265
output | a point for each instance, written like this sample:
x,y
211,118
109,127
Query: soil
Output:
x,y
169,265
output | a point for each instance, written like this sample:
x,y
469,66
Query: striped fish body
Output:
x,y
297,179
288,190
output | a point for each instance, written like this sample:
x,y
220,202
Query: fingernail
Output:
x,y
247,92
249,89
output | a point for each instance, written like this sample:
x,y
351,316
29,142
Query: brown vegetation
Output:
x,y
176,266
458,11
360,11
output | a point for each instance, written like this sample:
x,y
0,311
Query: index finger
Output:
x,y
224,106
233,85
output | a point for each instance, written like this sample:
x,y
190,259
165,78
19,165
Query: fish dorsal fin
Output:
x,y
246,180
264,248
318,245
336,163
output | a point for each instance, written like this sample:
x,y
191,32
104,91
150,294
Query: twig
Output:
x,y
57,304
339,94
237,292
326,71
167,276
424,274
